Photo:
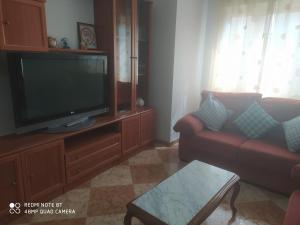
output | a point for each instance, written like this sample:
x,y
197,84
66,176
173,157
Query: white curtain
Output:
x,y
257,48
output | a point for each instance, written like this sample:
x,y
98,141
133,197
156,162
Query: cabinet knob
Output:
x,y
6,22
13,183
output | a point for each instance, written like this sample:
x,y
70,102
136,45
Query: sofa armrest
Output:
x,y
296,173
292,215
189,125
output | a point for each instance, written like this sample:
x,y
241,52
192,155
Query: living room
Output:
x,y
150,112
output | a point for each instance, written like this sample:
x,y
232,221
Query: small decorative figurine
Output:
x,y
52,42
65,43
140,102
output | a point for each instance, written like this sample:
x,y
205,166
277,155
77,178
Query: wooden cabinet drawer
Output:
x,y
44,170
93,161
94,147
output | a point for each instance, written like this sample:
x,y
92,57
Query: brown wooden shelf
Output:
x,y
84,140
82,51
12,144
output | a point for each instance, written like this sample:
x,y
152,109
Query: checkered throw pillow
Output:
x,y
292,134
255,122
212,113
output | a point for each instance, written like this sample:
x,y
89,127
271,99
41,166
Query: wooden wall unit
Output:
x,y
117,28
90,152
138,131
37,167
147,127
44,171
11,185
23,25
131,134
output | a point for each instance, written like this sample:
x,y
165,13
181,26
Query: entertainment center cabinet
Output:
x,y
36,167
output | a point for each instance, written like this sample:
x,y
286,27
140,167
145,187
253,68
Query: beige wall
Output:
x,y
162,64
179,29
63,15
188,58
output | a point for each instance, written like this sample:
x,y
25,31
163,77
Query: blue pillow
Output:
x,y
212,113
255,122
292,134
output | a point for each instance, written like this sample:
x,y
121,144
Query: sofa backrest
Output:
x,y
281,109
238,102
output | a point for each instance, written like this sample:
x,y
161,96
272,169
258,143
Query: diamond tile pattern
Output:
x,y
102,200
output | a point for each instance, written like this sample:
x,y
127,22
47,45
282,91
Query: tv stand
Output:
x,y
36,167
72,126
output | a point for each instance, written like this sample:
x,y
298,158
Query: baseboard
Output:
x,y
166,143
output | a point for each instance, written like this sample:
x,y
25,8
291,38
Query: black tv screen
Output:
x,y
48,86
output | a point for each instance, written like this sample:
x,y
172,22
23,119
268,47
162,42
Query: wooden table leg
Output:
x,y
127,219
236,191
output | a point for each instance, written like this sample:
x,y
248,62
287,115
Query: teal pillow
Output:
x,y
292,134
255,122
212,113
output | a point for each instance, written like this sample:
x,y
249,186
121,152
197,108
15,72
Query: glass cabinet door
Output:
x,y
123,65
143,49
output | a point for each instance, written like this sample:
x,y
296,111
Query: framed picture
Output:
x,y
87,36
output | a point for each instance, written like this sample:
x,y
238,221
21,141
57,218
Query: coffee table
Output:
x,y
187,197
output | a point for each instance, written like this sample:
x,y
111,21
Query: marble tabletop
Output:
x,y
178,199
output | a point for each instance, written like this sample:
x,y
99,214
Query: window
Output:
x,y
258,48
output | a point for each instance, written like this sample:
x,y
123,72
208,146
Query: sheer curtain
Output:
x,y
257,48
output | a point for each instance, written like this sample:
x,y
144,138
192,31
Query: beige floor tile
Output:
x,y
145,157
140,189
118,175
76,199
102,200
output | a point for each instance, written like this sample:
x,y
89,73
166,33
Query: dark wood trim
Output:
x,y
150,19
1,27
134,53
78,51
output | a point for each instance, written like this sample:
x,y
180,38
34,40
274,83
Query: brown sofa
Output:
x,y
292,216
266,162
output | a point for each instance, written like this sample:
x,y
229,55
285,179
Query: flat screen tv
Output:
x,y
55,89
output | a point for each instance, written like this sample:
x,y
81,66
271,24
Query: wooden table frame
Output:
x,y
233,184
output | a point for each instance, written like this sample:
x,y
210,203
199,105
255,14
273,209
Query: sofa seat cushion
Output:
x,y
220,144
265,155
292,215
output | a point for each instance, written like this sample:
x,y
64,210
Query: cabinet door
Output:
x,y
44,171
130,134
11,187
125,54
23,25
147,127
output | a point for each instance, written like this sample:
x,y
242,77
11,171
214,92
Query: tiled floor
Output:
x,y
102,200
